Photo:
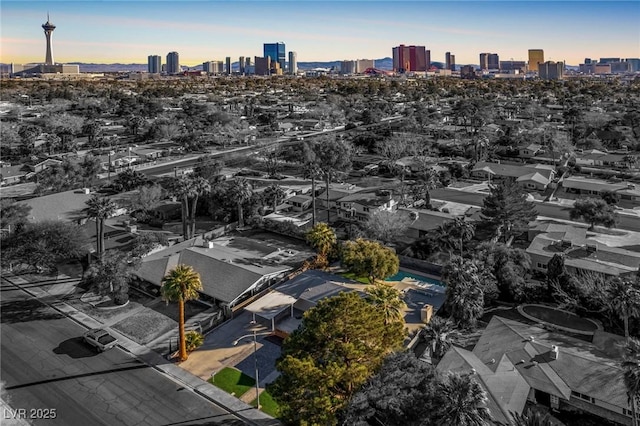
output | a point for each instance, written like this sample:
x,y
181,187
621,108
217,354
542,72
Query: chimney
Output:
x,y
532,339
554,352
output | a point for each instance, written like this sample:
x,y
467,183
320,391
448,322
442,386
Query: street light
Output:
x,y
255,357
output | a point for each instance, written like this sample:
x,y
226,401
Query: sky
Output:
x,y
128,31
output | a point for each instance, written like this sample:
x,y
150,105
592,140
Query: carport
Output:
x,y
270,306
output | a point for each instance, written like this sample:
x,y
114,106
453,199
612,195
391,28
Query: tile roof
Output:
x,y
66,206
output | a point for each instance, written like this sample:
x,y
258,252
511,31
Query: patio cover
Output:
x,y
271,305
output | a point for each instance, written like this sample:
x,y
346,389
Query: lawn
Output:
x,y
560,318
145,325
232,381
268,404
352,276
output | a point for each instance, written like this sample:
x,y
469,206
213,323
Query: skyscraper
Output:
x,y
489,61
447,61
247,65
409,58
262,65
228,65
277,53
173,63
551,70
154,64
48,31
452,62
536,56
241,65
293,63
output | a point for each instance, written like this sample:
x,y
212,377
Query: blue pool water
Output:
x,y
404,274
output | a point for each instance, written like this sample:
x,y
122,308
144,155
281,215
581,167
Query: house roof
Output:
x,y
66,206
227,268
577,182
509,170
579,367
426,219
533,177
506,389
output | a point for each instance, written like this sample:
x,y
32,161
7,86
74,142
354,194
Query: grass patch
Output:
x,y
233,381
144,326
268,404
352,276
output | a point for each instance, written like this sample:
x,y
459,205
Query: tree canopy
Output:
x,y
370,259
594,211
506,209
339,345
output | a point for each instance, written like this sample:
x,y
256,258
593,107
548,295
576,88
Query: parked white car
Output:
x,y
100,339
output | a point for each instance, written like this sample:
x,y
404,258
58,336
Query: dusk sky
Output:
x,y
127,32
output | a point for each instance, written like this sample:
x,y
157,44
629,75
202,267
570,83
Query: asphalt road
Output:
x,y
49,371
631,223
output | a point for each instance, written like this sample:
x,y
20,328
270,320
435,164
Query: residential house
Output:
x,y
13,174
516,363
593,157
529,151
148,154
231,269
361,205
596,187
580,253
68,206
534,177
423,221
44,164
336,192
299,203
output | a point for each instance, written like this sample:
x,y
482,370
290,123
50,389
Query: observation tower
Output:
x,y
48,30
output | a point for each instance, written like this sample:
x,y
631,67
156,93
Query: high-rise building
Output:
x,y
363,64
247,65
427,59
154,64
173,63
227,68
513,66
409,58
241,65
536,56
293,63
48,28
489,61
262,65
447,60
634,64
275,51
348,67
551,70
452,63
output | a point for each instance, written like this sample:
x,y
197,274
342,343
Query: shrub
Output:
x,y
194,340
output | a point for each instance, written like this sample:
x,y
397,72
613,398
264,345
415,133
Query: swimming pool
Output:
x,y
421,278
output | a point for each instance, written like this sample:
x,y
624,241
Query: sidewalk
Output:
x,y
219,397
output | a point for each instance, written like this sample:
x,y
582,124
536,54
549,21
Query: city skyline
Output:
x,y
110,32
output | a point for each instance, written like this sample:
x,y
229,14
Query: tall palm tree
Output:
x,y
241,191
323,238
631,372
188,189
100,208
624,298
199,186
312,171
464,293
462,402
181,284
388,300
440,334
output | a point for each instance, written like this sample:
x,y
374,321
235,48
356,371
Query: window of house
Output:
x,y
366,209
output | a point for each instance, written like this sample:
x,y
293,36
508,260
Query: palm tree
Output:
x,y
188,189
312,171
631,372
624,298
440,334
323,238
274,194
531,418
464,294
462,402
100,208
241,191
181,284
388,300
199,186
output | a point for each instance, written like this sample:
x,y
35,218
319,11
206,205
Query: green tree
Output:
x,y
89,169
100,209
506,209
453,235
531,418
148,197
401,393
370,258
388,300
631,374
193,340
624,298
594,211
440,334
461,402
555,267
111,275
610,197
42,245
180,285
464,298
188,189
339,345
323,238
